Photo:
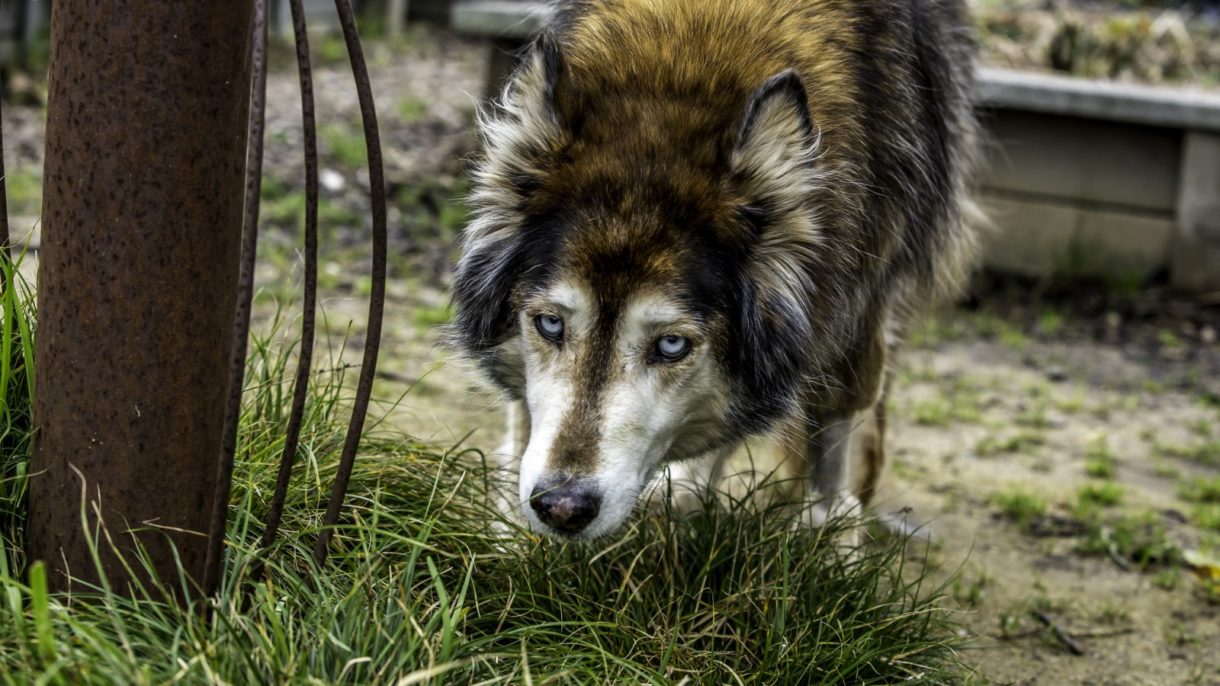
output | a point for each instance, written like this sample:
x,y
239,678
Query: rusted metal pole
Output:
x,y
142,216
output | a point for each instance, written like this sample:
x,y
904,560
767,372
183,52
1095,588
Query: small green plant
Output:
x,y
1020,442
1050,323
1103,494
1140,538
1201,489
1099,460
1167,579
411,109
17,328
345,143
1206,452
970,592
1020,505
961,405
1207,516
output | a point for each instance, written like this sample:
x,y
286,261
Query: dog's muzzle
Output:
x,y
565,504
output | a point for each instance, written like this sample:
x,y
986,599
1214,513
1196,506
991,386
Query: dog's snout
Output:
x,y
566,504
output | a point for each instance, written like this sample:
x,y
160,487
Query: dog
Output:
x,y
695,221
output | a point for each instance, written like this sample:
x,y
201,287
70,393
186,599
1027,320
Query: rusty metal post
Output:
x,y
142,218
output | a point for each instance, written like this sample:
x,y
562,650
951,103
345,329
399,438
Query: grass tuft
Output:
x,y
1020,505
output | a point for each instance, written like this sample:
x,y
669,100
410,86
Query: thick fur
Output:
x,y
785,178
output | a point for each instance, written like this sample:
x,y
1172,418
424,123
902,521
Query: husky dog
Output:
x,y
699,220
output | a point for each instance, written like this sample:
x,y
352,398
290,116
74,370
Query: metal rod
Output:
x,y
145,161
309,318
368,370
245,294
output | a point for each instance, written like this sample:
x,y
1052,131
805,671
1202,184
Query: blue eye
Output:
x,y
550,326
672,348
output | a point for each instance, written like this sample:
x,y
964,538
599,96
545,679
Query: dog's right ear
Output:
x,y
484,319
537,87
522,135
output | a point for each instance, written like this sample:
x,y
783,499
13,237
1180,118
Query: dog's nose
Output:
x,y
566,504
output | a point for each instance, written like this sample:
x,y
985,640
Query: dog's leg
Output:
x,y
870,445
835,422
507,460
829,465
690,483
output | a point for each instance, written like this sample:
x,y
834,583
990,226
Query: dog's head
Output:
x,y
638,273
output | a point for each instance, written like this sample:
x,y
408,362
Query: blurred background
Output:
x,y
1057,428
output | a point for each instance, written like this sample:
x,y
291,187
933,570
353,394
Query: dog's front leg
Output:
x,y
829,469
506,462
691,484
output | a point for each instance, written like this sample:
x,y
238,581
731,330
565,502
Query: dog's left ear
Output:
x,y
773,166
775,148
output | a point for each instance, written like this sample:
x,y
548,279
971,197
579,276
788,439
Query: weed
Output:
x,y
1020,442
1020,505
1141,538
1050,323
345,143
1103,494
1205,452
969,593
411,109
1099,460
1167,579
1201,490
1207,516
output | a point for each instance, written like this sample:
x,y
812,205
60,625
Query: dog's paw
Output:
x,y
845,509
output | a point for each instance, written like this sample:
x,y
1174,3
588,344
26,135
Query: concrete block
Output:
x,y
1195,263
1083,160
1045,237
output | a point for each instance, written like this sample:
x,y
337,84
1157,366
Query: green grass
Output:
x,y
1141,538
1020,442
419,587
1101,494
1207,516
1205,451
411,109
1099,460
1201,490
1020,505
16,415
344,143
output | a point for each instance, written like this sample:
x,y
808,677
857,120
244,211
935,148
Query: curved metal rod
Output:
x,y
309,318
214,562
364,390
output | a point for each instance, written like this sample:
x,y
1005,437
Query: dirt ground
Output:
x,y
1061,449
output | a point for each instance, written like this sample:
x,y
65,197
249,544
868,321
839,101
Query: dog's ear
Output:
x,y
540,91
773,165
484,321
521,136
774,151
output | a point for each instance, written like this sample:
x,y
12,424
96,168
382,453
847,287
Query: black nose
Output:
x,y
566,504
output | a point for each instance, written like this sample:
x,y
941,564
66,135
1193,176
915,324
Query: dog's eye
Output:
x,y
550,326
672,348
